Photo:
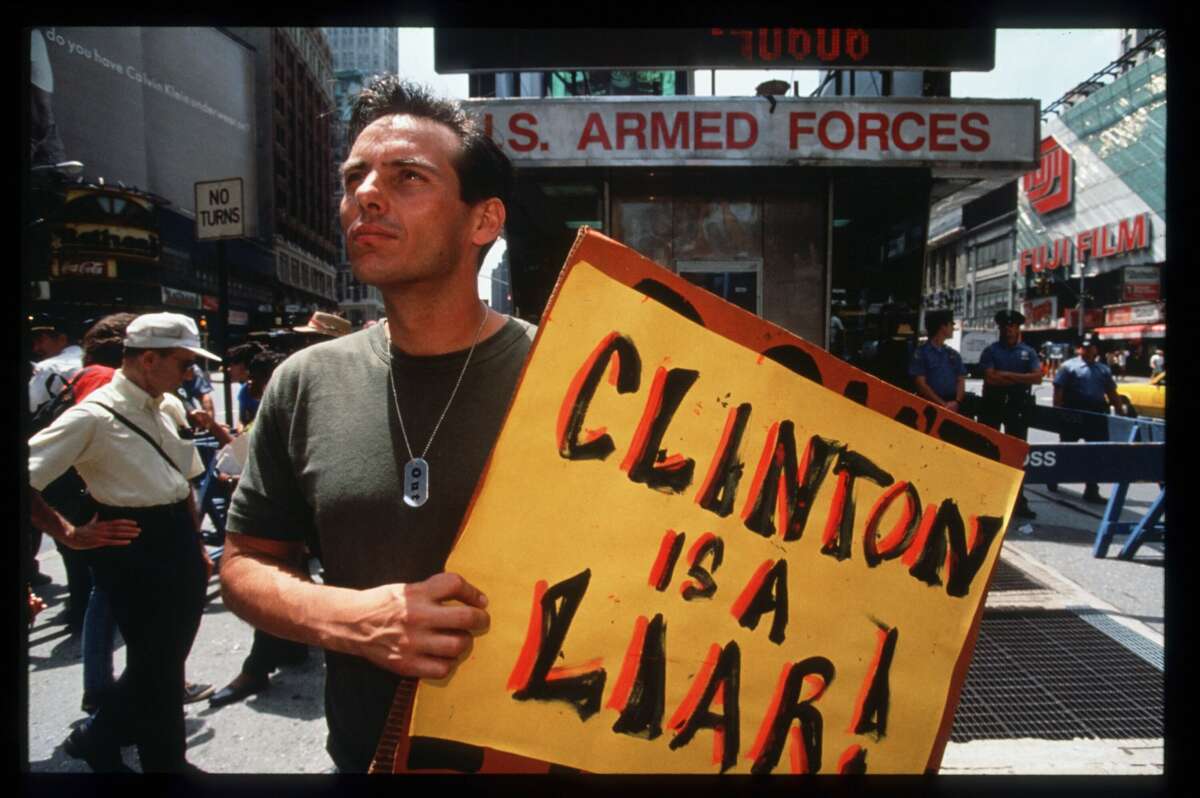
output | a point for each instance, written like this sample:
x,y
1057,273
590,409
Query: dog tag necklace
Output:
x,y
416,470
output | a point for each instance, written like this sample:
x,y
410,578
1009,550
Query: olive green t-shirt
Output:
x,y
326,454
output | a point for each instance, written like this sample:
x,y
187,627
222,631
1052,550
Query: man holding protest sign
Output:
x,y
379,477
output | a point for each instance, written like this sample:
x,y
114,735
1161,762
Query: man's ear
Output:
x,y
490,216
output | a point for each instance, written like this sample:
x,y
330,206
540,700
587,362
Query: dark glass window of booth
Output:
x,y
878,232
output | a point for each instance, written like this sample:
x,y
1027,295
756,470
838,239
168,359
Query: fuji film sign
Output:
x,y
1050,186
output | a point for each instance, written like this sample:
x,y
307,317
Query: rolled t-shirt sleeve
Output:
x,y
269,501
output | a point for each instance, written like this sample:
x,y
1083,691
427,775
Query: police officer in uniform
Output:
x,y
1010,370
1086,383
937,371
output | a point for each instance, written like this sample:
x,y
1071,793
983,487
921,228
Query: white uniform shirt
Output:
x,y
119,467
51,374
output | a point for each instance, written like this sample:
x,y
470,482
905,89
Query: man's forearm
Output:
x,y
280,599
45,518
925,392
1003,378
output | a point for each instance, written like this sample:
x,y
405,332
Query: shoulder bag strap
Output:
x,y
143,433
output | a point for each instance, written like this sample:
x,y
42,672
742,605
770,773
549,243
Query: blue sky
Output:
x,y
1041,64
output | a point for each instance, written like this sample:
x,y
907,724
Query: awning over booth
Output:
x,y
1132,332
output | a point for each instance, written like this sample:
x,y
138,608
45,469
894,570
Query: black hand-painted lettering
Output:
x,y
706,586
668,566
583,691
629,372
964,565
719,494
873,715
772,597
791,708
676,478
726,675
799,492
854,761
853,465
871,551
643,713
948,531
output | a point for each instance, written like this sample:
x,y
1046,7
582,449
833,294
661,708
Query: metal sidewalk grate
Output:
x,y
1009,577
1049,674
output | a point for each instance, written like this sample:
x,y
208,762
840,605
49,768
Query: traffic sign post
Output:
x,y
220,215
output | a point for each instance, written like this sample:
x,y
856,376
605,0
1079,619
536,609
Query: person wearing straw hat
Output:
x,y
324,323
143,537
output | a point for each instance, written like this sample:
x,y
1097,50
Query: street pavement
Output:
x,y
282,730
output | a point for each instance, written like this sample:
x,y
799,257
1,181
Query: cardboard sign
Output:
x,y
710,546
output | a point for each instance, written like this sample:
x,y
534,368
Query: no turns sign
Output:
x,y
219,209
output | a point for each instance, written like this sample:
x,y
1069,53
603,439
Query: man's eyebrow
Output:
x,y
394,163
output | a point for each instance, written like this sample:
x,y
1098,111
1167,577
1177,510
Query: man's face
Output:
x,y
166,369
1011,333
1089,352
401,211
48,344
238,372
947,329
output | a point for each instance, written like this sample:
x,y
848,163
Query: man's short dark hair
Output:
x,y
934,319
263,365
242,354
104,342
484,171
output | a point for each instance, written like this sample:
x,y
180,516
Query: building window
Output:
x,y
614,83
993,252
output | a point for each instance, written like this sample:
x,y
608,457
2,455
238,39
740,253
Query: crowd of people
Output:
x,y
311,468
1011,368
127,457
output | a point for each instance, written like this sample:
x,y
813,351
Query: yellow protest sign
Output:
x,y
699,560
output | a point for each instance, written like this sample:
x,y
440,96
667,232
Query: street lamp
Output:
x,y
1081,273
65,167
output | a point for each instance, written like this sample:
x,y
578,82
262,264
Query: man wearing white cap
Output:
x,y
143,539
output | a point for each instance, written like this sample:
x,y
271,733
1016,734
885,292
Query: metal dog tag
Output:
x,y
416,482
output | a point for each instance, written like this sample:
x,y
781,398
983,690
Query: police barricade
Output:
x,y
1133,452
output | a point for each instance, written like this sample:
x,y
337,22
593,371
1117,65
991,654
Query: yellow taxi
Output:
x,y
1144,398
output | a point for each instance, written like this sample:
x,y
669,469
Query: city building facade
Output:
x,y
810,212
358,54
1085,231
128,121
294,81
371,51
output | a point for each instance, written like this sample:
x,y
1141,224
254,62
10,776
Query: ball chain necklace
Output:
x,y
416,470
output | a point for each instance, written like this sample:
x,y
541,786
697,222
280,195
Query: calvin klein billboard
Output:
x,y
155,108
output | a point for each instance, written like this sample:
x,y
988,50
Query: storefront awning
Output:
x,y
1131,332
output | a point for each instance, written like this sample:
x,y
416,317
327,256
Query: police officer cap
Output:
x,y
49,323
1006,317
1089,339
